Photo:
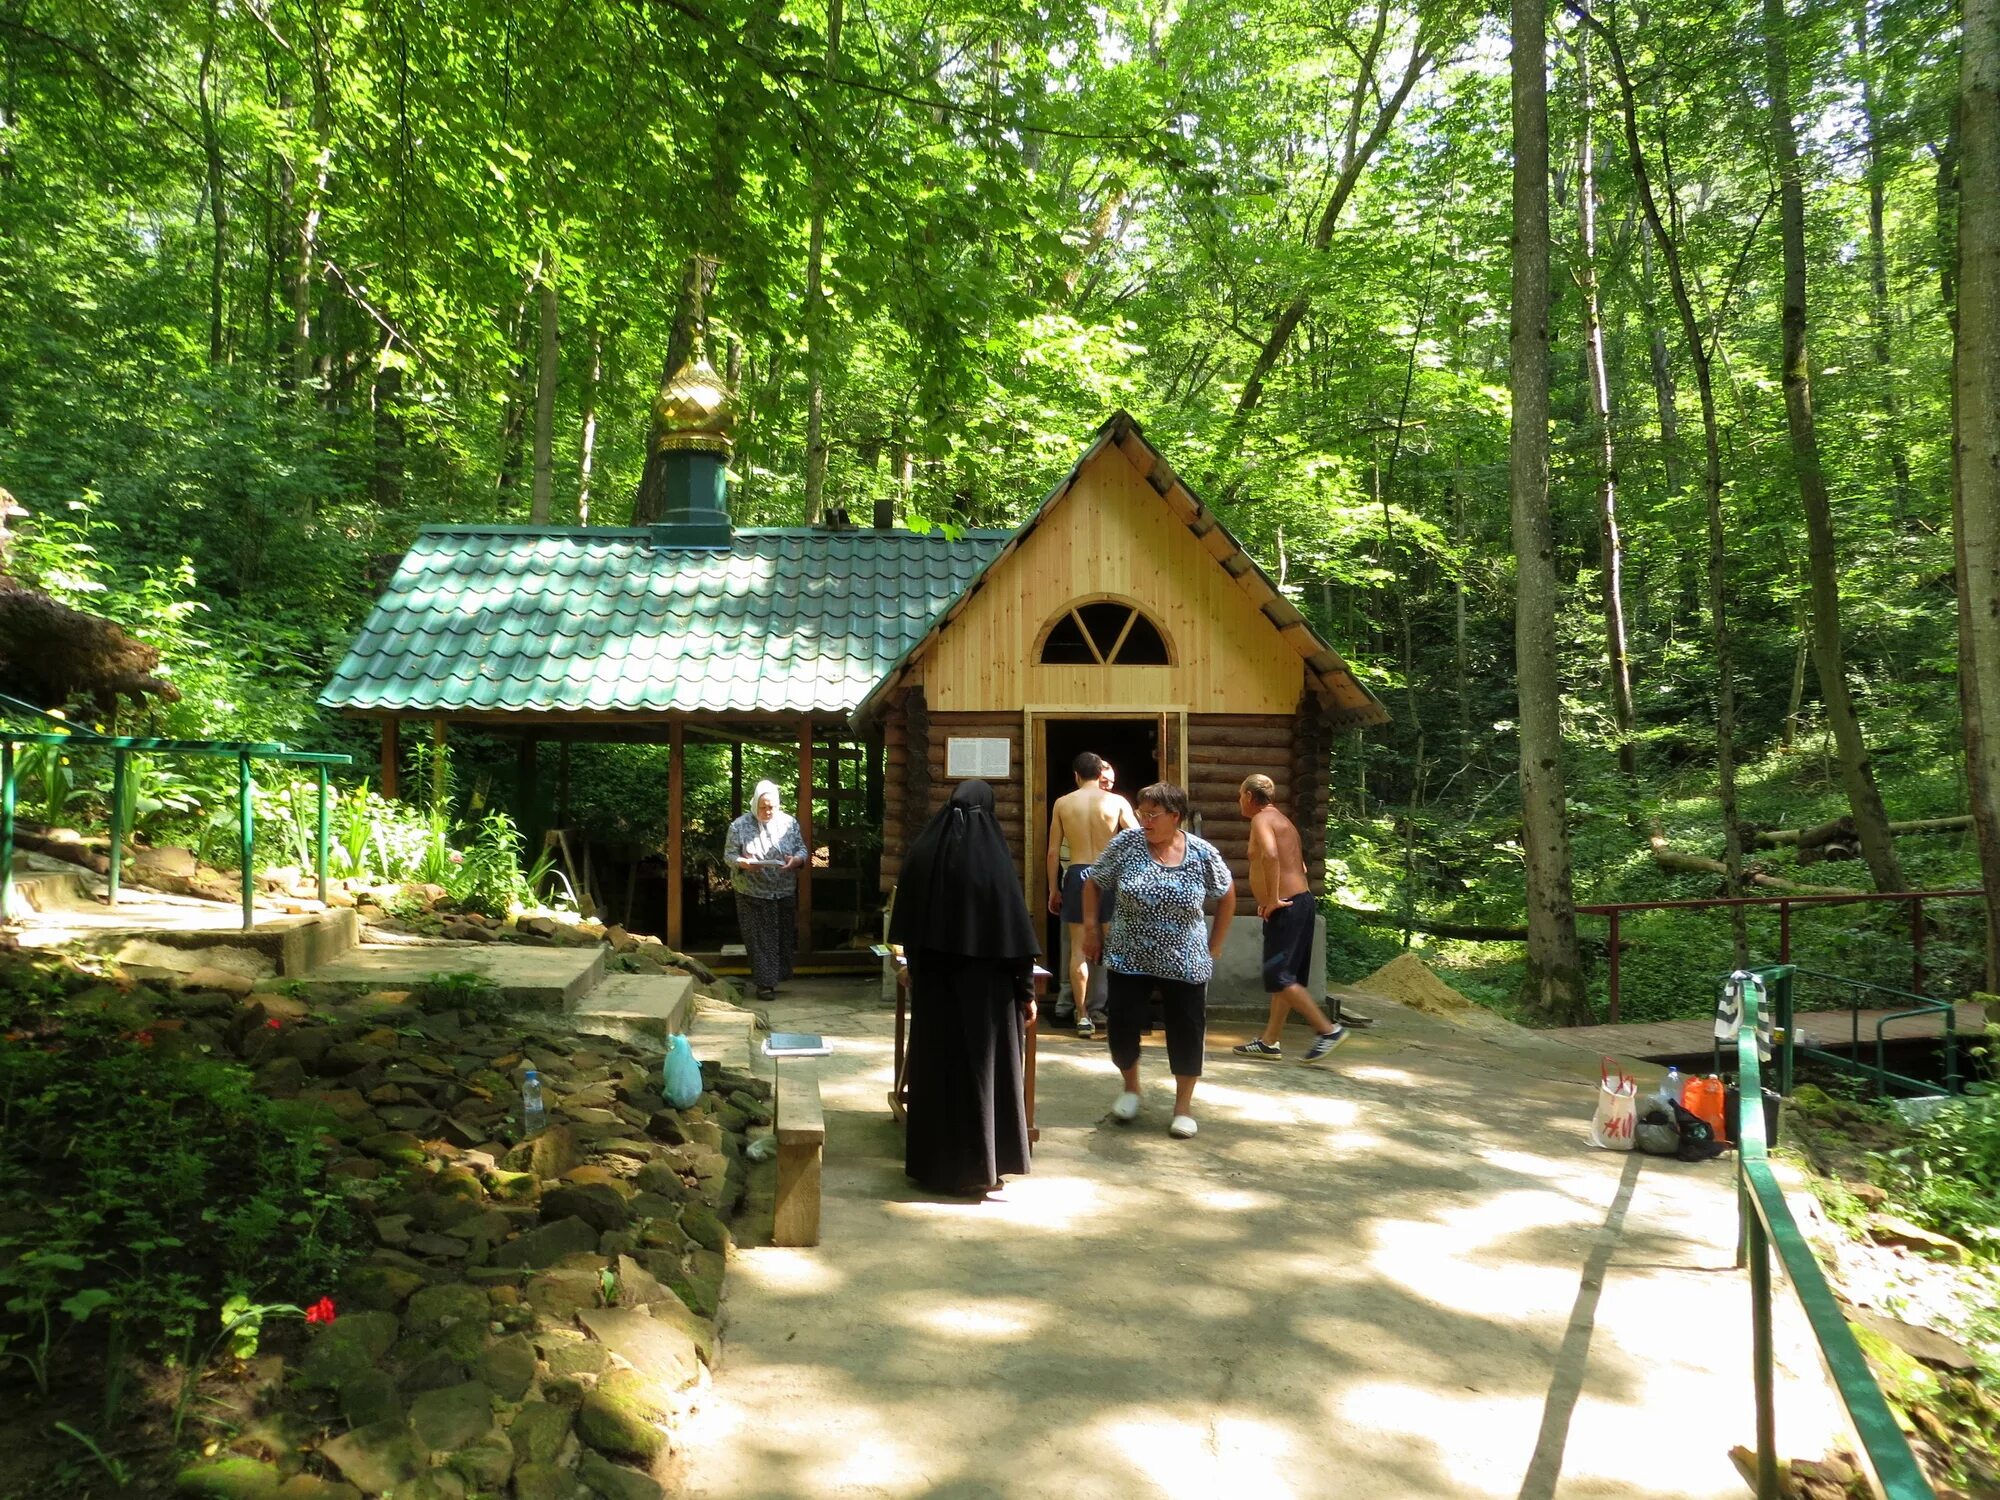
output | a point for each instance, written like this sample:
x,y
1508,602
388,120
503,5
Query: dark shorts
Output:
x,y
1072,881
1288,943
1183,1008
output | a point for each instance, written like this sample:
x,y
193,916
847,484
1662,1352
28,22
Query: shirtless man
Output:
x,y
1085,820
1285,902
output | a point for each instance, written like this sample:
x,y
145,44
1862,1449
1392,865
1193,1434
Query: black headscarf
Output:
x,y
958,892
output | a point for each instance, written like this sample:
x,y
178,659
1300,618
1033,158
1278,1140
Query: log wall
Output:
x,y
1225,748
914,745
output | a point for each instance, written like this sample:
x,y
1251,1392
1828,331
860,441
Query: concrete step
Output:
x,y
38,891
547,979
637,1007
157,936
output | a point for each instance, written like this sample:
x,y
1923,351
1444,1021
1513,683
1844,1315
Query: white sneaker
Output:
x,y
1126,1110
1183,1127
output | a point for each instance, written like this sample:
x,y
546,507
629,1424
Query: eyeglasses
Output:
x,y
1147,812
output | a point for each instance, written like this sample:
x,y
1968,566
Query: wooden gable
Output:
x,y
1110,538
1123,527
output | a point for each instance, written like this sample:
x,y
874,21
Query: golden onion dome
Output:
x,y
696,410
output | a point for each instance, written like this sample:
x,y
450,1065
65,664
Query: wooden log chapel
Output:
x,y
1121,617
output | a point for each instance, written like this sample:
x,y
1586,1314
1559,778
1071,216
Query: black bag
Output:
x,y
1733,1105
1698,1142
1658,1133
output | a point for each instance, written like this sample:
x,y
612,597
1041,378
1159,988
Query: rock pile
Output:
x,y
534,1309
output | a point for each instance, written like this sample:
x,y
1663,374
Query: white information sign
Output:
x,y
990,759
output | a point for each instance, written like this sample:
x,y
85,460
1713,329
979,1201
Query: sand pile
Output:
x,y
1409,981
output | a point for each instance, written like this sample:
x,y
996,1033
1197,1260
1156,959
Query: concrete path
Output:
x,y
1402,1274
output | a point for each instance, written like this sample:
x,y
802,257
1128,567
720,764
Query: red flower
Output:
x,y
144,1039
321,1311
274,1023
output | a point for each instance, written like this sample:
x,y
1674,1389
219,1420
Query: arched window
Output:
x,y
1104,632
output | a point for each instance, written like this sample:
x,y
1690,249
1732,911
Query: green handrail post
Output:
x,y
1768,1225
118,771
322,833
246,835
6,829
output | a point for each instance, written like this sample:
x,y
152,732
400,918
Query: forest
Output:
x,y
1585,374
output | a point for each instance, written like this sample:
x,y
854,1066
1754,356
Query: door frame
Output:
x,y
1172,719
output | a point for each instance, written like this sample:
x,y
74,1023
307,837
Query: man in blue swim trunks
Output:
x,y
1285,902
1085,820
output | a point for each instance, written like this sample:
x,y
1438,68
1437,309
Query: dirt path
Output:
x,y
1404,1274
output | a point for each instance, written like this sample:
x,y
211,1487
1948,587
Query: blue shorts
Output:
x,y
1072,889
1288,943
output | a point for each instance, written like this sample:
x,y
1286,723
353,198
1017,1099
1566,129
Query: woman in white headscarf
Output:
x,y
765,852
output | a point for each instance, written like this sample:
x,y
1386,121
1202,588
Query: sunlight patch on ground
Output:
x,y
1378,1073
1524,1162
846,1449
1187,1459
1441,1261
1492,1437
993,1318
1236,1200
786,1273
1038,1201
1259,1107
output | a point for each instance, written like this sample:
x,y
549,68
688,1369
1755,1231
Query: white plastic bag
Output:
x,y
1617,1107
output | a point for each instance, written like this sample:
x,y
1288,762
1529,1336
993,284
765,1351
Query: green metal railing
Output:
x,y
1780,980
1766,1223
121,749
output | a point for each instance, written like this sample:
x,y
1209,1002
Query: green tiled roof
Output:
x,y
554,619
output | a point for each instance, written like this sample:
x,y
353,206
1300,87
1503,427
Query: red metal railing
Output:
x,y
1615,910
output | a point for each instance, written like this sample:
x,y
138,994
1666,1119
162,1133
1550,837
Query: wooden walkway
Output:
x,y
1831,1029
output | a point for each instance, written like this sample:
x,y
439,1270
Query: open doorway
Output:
x,y
1133,748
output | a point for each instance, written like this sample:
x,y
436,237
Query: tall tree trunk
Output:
x,y
1864,799
542,488
1879,317
514,409
649,504
1718,550
308,241
218,198
1554,985
815,309
588,455
1611,549
390,438
1976,432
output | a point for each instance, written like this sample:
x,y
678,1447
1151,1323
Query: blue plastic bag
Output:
x,y
682,1074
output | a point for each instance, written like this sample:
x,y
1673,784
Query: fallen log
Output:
x,y
1842,829
1474,932
1683,863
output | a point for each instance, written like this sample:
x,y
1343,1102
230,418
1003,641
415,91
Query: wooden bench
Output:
x,y
801,1132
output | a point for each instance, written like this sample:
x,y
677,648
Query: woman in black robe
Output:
x,y
964,927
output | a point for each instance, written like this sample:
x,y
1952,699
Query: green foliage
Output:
x,y
1949,1176
460,991
142,1192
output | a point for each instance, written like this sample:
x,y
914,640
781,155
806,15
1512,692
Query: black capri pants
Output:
x,y
1183,1005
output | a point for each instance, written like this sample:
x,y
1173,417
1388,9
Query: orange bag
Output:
x,y
1705,1099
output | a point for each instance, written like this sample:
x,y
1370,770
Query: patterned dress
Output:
x,y
767,900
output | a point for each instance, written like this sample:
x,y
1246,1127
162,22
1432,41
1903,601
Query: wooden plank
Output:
x,y
391,759
801,1133
1830,1029
805,817
676,783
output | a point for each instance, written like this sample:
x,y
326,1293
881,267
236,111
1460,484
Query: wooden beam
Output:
x,y
676,761
386,783
805,817
736,778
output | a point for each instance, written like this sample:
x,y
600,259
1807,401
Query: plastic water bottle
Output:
x,y
1671,1088
534,1114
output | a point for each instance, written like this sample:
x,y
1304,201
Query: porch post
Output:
x,y
676,759
390,755
736,779
805,817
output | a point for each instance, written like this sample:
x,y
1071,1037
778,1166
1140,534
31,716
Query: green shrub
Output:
x,y
1949,1177
139,1192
